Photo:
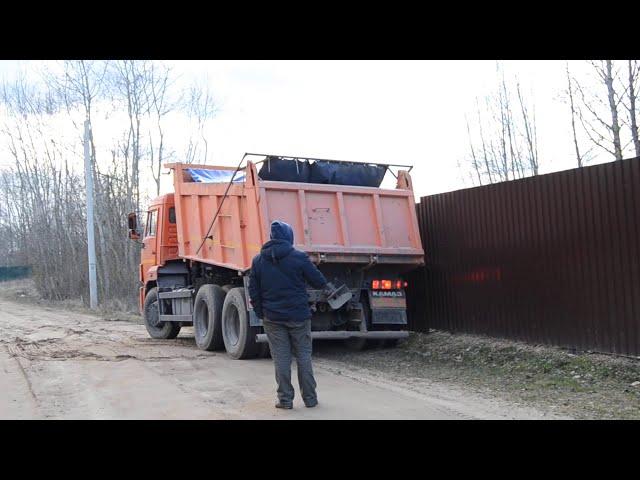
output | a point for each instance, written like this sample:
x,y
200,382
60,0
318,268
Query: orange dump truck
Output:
x,y
198,244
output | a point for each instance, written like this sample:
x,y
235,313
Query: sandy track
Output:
x,y
57,364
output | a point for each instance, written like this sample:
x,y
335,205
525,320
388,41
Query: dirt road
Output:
x,y
56,364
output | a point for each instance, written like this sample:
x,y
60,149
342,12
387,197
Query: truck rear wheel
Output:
x,y
265,351
207,317
356,344
156,328
239,337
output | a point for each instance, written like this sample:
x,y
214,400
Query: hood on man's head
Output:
x,y
281,231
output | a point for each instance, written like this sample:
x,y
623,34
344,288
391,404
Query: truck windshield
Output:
x,y
152,223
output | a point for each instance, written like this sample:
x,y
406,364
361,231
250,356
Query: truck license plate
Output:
x,y
388,299
387,293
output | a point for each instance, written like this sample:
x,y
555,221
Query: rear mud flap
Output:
x,y
254,321
388,316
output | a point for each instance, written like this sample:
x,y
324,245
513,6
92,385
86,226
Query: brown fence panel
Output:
x,y
549,259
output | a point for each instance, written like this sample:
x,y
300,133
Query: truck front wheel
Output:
x,y
156,328
239,337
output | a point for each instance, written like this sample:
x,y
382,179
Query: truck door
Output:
x,y
150,241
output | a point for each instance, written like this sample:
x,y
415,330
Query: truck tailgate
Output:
x,y
344,219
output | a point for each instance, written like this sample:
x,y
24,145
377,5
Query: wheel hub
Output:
x,y
154,316
203,320
234,327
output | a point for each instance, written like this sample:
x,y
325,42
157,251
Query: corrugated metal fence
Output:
x,y
549,259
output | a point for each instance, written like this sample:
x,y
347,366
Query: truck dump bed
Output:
x,y
332,223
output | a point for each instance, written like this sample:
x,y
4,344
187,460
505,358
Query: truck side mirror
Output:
x,y
132,220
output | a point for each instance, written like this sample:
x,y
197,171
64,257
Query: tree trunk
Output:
x,y
632,110
573,117
615,125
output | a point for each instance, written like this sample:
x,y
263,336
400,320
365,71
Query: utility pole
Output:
x,y
91,241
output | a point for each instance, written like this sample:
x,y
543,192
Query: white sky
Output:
x,y
379,111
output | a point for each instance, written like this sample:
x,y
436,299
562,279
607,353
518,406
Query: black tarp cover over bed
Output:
x,y
322,171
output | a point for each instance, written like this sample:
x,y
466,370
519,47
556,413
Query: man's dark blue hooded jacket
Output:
x,y
277,285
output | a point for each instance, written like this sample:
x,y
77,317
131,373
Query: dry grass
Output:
x,y
25,291
582,385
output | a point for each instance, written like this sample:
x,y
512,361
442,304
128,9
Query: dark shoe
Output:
x,y
311,405
286,406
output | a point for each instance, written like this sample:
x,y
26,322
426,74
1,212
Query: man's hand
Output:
x,y
328,289
337,296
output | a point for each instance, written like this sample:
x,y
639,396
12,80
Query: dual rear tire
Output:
x,y
238,336
221,322
207,317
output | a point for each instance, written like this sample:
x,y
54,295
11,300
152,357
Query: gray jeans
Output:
x,y
288,339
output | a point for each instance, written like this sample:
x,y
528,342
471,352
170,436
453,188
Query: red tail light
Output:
x,y
406,284
388,284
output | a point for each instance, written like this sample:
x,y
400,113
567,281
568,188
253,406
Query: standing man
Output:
x,y
278,292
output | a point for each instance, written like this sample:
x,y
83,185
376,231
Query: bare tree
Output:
x,y
475,164
506,145
573,116
200,107
485,156
84,83
130,80
42,194
607,77
160,105
602,124
42,205
632,95
529,124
